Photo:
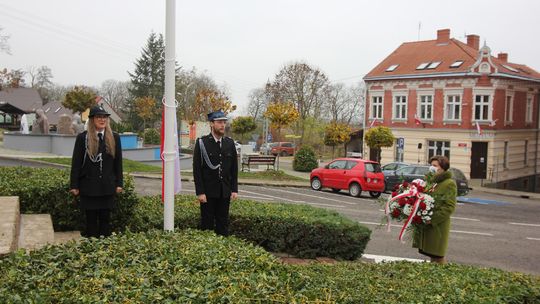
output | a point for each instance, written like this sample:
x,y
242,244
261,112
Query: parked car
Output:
x,y
412,172
391,167
353,174
282,148
265,149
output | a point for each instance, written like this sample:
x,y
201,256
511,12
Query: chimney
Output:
x,y
503,57
473,41
443,36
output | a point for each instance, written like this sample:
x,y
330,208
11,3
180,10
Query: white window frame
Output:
x,y
450,93
377,95
419,94
509,109
483,92
529,109
433,148
402,97
422,102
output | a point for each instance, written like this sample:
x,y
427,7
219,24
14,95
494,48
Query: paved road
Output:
x,y
503,234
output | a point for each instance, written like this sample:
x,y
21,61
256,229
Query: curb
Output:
x,y
240,181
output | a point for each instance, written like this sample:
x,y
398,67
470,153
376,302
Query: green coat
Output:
x,y
433,238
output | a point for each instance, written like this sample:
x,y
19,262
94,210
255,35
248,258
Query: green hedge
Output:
x,y
46,190
199,267
305,160
300,230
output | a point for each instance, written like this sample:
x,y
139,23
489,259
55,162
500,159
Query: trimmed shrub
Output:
x,y
151,136
46,190
300,230
199,267
305,160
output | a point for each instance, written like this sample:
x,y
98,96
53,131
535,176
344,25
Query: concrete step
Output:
x,y
9,223
66,236
36,231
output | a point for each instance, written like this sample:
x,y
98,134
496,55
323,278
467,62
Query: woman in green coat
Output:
x,y
432,239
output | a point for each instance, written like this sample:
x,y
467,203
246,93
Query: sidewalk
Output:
x,y
285,166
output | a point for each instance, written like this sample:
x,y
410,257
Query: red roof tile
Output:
x,y
410,55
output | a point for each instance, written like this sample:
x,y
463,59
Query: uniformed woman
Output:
x,y
96,172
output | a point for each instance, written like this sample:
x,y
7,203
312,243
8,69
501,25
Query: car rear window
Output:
x,y
350,164
371,167
390,167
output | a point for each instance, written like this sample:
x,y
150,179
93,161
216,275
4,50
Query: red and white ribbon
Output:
x,y
412,191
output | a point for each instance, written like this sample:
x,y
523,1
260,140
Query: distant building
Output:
x,y
444,96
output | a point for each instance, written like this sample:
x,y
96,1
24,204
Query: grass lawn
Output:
x,y
129,165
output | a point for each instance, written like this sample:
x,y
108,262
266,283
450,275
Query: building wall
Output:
x,y
462,133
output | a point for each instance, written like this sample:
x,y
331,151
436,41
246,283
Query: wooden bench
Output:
x,y
268,160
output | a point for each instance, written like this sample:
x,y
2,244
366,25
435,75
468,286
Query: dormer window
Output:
x,y
56,111
456,64
433,65
47,110
422,66
392,67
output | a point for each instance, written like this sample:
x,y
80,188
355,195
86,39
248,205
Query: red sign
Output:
x,y
462,145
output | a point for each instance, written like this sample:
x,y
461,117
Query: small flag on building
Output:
x,y
493,123
478,129
417,120
373,122
177,180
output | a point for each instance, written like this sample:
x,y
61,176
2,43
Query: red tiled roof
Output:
x,y
410,55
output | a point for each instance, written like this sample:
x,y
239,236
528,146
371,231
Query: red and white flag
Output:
x,y
493,123
478,129
417,120
177,180
373,122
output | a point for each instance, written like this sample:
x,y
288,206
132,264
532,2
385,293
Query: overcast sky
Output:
x,y
243,43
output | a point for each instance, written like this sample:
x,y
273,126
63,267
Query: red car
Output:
x,y
282,148
353,174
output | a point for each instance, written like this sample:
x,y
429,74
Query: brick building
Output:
x,y
448,97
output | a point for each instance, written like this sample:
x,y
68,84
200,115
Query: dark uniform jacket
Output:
x,y
216,183
88,178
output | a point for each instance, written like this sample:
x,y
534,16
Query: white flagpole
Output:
x,y
170,110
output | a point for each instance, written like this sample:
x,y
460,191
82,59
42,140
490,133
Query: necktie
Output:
x,y
219,143
101,144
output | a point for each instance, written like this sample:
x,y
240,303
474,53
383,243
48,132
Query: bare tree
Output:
x,y
115,93
303,85
343,103
40,79
258,102
188,85
4,46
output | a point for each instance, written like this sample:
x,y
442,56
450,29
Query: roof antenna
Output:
x,y
419,27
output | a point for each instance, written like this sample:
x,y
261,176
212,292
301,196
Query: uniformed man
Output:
x,y
215,170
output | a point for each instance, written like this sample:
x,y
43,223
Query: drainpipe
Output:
x,y
536,143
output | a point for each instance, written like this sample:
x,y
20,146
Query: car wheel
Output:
x,y
336,190
355,189
374,194
316,184
283,153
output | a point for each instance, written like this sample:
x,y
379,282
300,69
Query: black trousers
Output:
x,y
98,222
215,215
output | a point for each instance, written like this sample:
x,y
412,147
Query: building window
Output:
x,y
481,108
525,153
426,107
453,107
377,107
529,110
508,110
505,157
438,148
400,107
399,149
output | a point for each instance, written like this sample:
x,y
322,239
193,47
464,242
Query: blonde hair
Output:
x,y
93,141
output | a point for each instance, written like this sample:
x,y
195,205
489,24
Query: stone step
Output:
x,y
9,223
36,231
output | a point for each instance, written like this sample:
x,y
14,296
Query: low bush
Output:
x,y
151,136
46,190
305,160
300,230
199,267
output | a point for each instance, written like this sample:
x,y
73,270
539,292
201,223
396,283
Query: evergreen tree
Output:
x,y
148,79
